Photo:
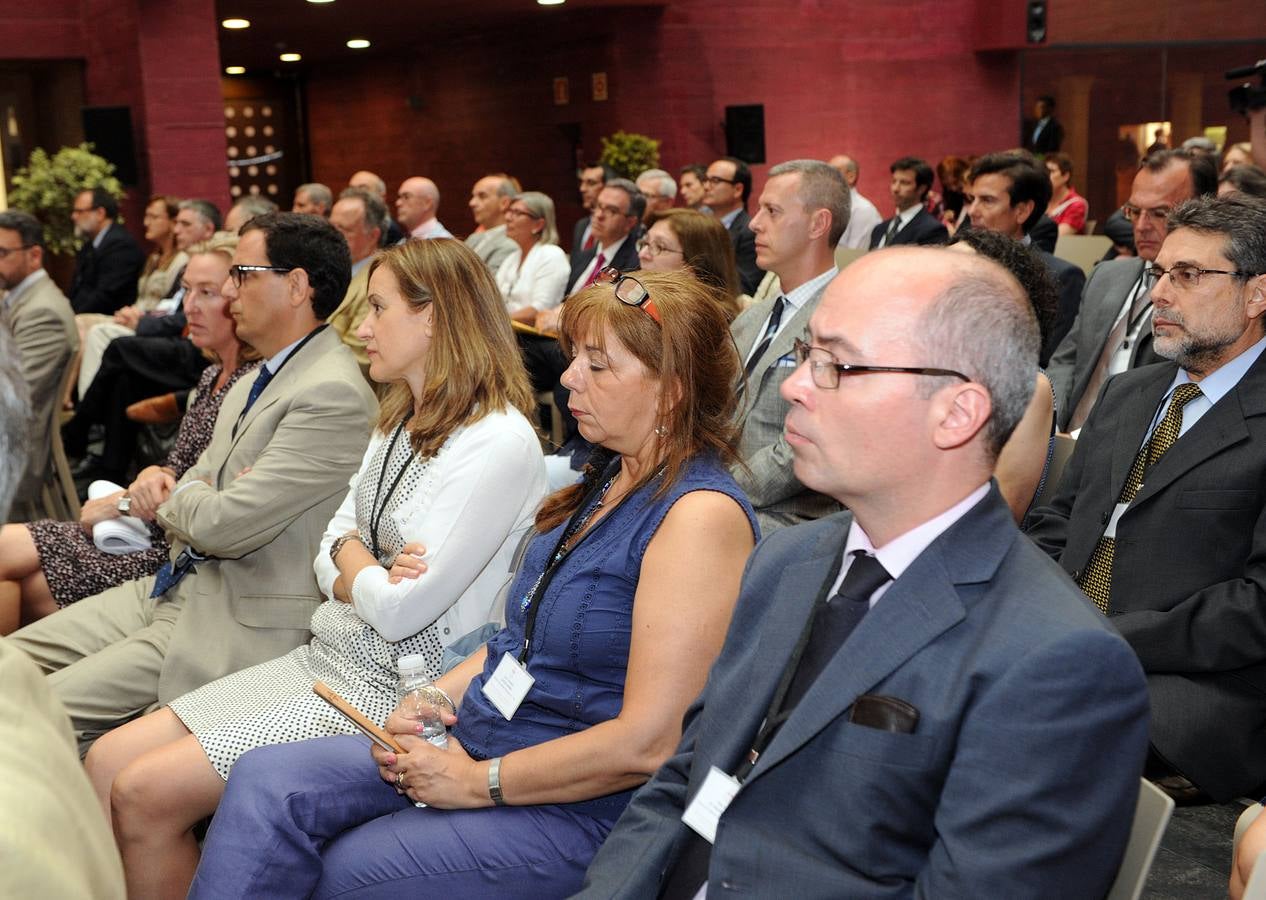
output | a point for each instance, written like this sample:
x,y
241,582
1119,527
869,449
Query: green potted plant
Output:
x,y
46,187
630,154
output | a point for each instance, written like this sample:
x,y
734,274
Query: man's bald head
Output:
x,y
417,202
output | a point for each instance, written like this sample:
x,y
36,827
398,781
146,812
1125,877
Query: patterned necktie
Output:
x,y
771,329
1096,579
599,264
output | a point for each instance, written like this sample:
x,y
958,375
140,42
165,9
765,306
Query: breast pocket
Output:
x,y
908,751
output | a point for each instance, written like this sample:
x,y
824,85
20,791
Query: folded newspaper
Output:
x,y
126,534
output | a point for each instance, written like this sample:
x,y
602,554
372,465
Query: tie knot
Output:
x,y
1184,394
865,576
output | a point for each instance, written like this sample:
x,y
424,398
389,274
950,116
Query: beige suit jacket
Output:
x,y
346,320
53,837
302,441
43,326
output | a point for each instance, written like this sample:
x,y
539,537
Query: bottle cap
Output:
x,y
412,664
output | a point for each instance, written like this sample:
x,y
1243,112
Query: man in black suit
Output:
x,y
1043,133
1008,193
617,211
109,263
726,188
912,224
591,181
1161,516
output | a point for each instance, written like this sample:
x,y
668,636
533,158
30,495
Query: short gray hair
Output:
x,y
1239,217
209,211
982,324
15,414
375,209
317,193
665,186
637,200
253,205
821,187
542,207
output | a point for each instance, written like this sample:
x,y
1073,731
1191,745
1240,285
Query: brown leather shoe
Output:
x,y
158,410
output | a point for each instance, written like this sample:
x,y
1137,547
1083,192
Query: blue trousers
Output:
x,y
313,818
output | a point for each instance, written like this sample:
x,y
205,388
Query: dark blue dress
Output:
x,y
315,817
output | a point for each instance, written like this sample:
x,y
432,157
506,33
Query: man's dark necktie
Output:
x,y
833,622
771,329
257,388
891,233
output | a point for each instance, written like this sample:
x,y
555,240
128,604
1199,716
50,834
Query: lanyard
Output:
x,y
776,715
289,356
374,520
588,505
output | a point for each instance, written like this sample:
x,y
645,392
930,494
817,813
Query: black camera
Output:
x,y
1248,96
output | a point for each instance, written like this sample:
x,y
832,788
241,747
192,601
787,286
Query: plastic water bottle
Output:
x,y
421,700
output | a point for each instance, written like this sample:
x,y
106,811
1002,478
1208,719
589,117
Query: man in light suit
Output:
x,y
43,327
1178,562
803,211
1112,329
360,217
245,521
726,190
911,223
955,720
53,836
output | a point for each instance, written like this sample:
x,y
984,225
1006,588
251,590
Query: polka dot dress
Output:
x,y
273,702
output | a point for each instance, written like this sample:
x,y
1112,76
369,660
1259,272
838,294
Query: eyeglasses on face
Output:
x,y
1186,276
826,372
80,210
630,291
610,210
5,251
717,179
237,274
656,249
514,212
1134,213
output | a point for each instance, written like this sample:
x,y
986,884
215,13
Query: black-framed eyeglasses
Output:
x,y
1187,276
630,291
656,249
5,251
238,273
826,371
717,179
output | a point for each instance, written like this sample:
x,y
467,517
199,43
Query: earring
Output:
x,y
661,431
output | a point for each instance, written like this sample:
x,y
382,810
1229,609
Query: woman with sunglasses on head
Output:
x,y
47,565
686,239
616,614
533,279
412,561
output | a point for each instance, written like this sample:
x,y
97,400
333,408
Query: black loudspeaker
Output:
x,y
109,130
1035,23
745,133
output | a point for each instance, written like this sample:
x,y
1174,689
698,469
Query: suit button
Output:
x,y
1076,576
1103,519
727,884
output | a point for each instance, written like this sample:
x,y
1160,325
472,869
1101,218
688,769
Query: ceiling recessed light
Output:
x,y
320,1
235,70
550,2
358,43
290,57
236,23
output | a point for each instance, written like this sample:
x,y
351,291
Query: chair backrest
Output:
x,y
846,255
1151,816
1082,250
1064,447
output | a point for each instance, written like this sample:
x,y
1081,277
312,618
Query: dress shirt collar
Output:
x,y
800,296
96,241
273,363
1218,383
23,286
905,217
728,219
609,253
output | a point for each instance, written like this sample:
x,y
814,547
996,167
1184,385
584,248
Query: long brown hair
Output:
x,y
473,367
691,355
707,249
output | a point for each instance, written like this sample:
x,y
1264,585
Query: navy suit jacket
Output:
x,y
1019,780
744,241
924,228
577,239
106,277
1189,567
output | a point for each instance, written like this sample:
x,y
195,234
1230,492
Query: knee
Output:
x,y
136,801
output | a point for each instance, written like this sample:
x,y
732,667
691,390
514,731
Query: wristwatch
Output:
x,y
338,545
125,504
494,783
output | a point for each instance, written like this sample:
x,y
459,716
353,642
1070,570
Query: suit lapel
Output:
x,y
276,388
1134,415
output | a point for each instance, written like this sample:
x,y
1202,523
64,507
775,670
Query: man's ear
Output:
x,y
960,414
1255,301
300,286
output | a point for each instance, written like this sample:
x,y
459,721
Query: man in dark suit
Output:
x,y
1007,193
726,188
591,181
1043,133
955,720
617,213
912,224
1161,515
109,263
1112,329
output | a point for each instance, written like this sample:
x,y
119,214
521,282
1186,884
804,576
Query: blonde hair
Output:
x,y
473,367
223,243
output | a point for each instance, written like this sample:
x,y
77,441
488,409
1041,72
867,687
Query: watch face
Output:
x,y
125,504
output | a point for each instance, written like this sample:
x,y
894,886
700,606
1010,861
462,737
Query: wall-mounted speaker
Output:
x,y
109,130
1035,22
745,133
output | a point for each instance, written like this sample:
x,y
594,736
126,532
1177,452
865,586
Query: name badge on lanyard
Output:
x,y
508,685
711,800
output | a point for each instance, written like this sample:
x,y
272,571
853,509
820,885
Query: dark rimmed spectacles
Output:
x,y
717,179
630,291
826,371
656,249
238,273
5,251
1187,276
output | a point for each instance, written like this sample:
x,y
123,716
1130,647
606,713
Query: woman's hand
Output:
x,y
149,491
445,779
547,319
407,564
100,510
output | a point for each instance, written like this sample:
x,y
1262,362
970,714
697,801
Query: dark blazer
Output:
x,y
924,228
106,277
625,259
1071,280
1074,359
1045,234
1049,139
1189,567
577,240
744,241
1022,689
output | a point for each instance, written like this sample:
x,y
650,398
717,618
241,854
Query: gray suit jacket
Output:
x,y
1189,567
492,246
765,473
1074,359
43,327
1021,687
302,440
